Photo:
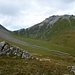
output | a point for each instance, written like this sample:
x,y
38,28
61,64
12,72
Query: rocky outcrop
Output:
x,y
6,49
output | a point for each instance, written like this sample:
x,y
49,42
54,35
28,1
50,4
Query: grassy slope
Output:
x,y
62,33
17,66
51,46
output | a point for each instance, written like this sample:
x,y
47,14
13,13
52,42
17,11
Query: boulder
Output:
x,y
4,47
71,68
25,54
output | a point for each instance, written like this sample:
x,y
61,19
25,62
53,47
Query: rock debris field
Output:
x,y
6,49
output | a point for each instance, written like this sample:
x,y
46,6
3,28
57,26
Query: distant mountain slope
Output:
x,y
58,29
38,29
6,34
48,27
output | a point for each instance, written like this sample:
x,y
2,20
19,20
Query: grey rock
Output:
x,y
71,68
66,16
25,54
4,47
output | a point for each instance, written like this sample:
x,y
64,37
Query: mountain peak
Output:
x,y
66,16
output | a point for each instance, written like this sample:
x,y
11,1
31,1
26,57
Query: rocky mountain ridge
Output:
x,y
40,30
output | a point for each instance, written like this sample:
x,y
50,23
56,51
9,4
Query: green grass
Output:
x,y
49,45
29,49
17,66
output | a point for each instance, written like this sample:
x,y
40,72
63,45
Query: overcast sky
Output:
x,y
17,14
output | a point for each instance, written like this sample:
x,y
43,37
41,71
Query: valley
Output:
x,y
53,46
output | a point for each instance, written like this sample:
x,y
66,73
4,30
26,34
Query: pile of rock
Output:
x,y
6,49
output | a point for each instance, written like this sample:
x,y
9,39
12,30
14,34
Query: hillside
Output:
x,y
53,47
8,35
57,29
45,28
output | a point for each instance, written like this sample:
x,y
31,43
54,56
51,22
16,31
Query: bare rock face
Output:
x,y
6,49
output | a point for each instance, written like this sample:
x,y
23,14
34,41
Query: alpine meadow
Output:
x,y
47,48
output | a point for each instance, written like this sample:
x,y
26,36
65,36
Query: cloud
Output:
x,y
68,1
16,14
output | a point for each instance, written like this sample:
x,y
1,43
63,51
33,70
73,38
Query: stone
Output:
x,y
26,55
4,47
44,59
71,68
